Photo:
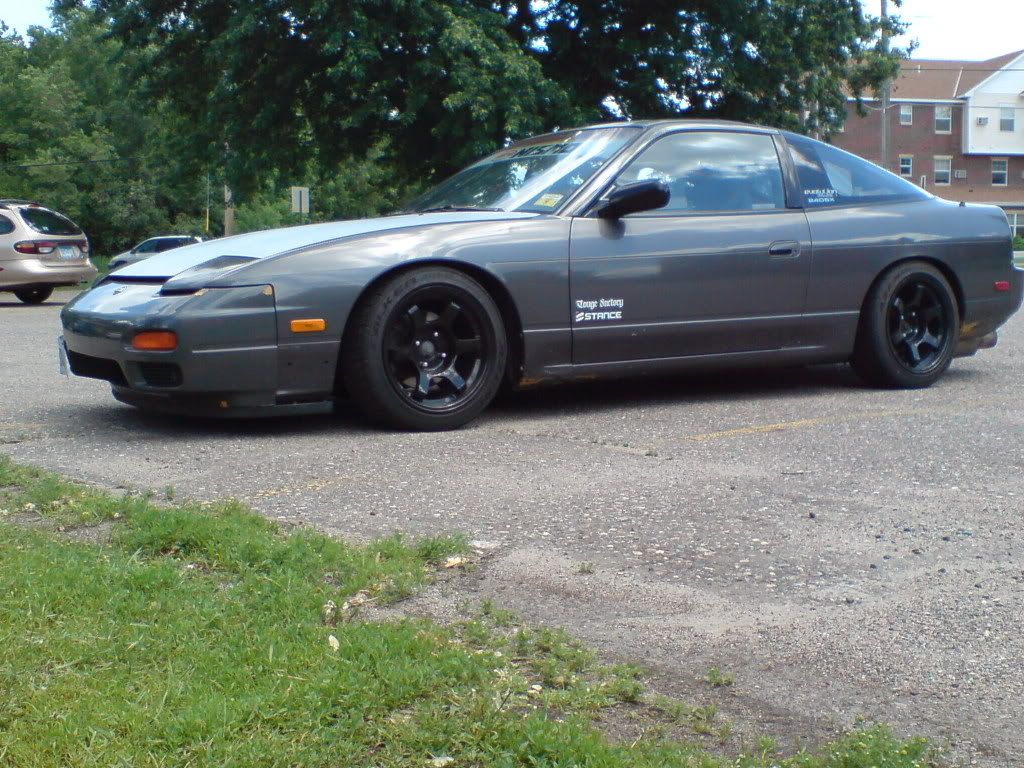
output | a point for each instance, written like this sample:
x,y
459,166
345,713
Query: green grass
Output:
x,y
197,636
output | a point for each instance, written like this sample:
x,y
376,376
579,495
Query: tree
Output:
x,y
78,134
266,84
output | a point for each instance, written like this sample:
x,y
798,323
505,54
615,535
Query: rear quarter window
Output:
x,y
6,226
830,177
47,222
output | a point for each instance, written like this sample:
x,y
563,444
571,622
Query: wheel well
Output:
x,y
495,289
947,272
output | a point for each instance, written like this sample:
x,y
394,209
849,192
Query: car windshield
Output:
x,y
47,222
535,175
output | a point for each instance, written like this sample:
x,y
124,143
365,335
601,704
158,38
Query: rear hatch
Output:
x,y
50,237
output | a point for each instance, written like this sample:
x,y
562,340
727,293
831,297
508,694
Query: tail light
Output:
x,y
35,246
44,247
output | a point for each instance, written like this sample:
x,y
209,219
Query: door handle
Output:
x,y
784,249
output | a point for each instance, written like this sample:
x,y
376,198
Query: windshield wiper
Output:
x,y
441,208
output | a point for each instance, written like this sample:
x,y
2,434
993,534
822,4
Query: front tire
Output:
x,y
909,328
34,295
426,350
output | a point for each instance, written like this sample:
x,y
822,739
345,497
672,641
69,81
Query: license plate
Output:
x,y
68,252
62,357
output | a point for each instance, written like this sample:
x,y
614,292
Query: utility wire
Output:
x,y
67,162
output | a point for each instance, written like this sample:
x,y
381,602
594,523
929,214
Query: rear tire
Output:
x,y
909,328
426,350
34,295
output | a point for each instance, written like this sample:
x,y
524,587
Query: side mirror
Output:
x,y
634,198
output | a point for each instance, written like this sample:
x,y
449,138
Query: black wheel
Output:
x,y
425,350
34,295
909,328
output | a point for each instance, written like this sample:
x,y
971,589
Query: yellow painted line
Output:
x,y
933,410
758,429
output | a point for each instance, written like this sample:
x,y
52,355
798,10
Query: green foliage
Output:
x,y
298,86
1018,243
78,133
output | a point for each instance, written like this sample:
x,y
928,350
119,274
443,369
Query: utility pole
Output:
x,y
229,212
886,90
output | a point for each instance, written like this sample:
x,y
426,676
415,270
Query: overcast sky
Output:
x,y
945,29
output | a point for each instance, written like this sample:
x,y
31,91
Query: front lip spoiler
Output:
x,y
989,340
228,406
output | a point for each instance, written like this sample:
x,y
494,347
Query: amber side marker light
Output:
x,y
310,325
159,341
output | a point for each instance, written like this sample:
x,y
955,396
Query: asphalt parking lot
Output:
x,y
842,551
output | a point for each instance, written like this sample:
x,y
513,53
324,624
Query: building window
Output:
x,y
943,119
907,166
906,114
1006,118
1016,223
999,172
943,167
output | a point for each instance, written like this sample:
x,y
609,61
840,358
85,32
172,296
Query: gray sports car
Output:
x,y
620,249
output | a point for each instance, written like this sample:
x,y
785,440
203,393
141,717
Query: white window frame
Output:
x,y
1016,223
949,116
910,170
948,159
907,112
1012,119
1006,171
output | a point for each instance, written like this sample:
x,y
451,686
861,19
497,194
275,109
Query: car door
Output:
x,y
722,268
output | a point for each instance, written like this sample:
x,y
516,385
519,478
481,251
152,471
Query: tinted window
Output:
x,y
147,246
712,171
48,223
829,177
6,226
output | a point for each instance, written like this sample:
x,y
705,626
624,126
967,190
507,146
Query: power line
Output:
x,y
68,162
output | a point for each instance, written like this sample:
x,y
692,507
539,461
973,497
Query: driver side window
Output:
x,y
712,171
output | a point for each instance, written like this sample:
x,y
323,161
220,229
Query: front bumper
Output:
x,y
227,361
27,273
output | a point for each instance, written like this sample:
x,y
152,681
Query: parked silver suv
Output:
x,y
39,251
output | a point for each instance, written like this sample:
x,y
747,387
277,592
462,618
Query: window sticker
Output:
x,y
550,200
824,196
561,148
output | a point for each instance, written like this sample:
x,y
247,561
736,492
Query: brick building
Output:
x,y
956,128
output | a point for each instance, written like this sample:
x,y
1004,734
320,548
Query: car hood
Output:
x,y
273,242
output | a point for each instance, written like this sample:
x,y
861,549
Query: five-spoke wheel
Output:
x,y
908,327
425,350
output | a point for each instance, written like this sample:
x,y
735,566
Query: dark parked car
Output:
x,y
619,249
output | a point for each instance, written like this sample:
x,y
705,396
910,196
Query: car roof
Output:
x,y
683,123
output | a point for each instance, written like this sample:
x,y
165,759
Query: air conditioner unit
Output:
x,y
982,121
960,174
